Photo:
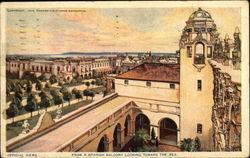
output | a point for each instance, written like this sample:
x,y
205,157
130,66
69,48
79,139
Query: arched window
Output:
x,y
199,57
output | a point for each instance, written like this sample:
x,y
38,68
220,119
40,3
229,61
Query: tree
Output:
x,y
63,89
31,97
73,81
58,99
12,111
98,82
60,83
188,144
74,91
67,96
78,95
16,86
42,77
47,85
29,87
43,94
53,92
31,106
86,93
105,92
197,144
92,94
141,137
17,102
28,76
79,79
39,85
93,83
87,84
18,96
7,91
53,79
153,134
46,102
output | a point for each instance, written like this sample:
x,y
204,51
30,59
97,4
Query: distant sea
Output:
x,y
96,54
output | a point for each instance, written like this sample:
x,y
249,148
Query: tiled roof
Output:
x,y
153,72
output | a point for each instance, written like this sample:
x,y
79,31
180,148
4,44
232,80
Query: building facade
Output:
x,y
65,68
226,114
208,109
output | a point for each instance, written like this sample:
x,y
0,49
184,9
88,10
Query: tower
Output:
x,y
237,49
196,78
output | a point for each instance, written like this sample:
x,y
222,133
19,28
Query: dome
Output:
x,y
200,14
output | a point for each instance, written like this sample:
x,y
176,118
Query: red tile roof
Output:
x,y
153,72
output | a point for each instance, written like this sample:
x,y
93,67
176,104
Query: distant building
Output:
x,y
65,68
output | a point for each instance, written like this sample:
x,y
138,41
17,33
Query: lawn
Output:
x,y
73,107
98,89
14,129
51,88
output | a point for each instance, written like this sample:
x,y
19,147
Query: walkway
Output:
x,y
52,140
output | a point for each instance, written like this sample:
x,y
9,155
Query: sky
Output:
x,y
56,31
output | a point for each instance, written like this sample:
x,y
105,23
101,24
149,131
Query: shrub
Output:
x,y
188,144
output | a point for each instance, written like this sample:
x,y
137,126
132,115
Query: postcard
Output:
x,y
125,79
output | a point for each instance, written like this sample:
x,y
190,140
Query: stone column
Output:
x,y
129,130
132,130
178,138
108,145
122,137
119,131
